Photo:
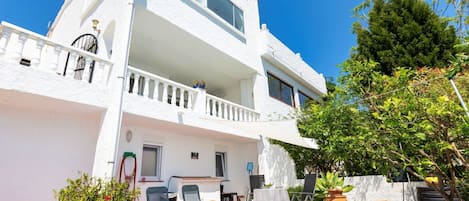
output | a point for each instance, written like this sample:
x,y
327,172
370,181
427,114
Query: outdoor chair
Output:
x,y
190,193
255,182
159,193
308,189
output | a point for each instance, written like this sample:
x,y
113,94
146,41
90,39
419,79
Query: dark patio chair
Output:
x,y
159,193
308,189
255,182
190,193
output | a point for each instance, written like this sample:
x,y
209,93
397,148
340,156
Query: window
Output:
x,y
220,164
280,90
151,162
304,99
228,12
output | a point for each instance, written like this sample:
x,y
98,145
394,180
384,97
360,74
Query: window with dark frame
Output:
x,y
304,99
151,162
220,164
229,12
280,90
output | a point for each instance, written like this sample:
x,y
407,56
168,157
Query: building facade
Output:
x,y
192,87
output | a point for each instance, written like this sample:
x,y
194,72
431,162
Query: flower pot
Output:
x,y
335,195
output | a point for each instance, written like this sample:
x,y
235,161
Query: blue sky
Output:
x,y
319,30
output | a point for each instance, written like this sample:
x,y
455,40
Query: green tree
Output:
x,y
404,33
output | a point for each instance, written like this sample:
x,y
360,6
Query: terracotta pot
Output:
x,y
335,195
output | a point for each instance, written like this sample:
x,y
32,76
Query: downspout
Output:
x,y
123,77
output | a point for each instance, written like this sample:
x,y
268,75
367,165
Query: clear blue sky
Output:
x,y
319,30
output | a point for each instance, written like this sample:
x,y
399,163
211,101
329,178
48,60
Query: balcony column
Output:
x,y
200,102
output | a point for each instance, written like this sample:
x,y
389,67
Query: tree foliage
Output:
x,y
404,33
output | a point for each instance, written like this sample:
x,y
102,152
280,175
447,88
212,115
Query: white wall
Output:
x,y
177,148
375,188
188,15
41,149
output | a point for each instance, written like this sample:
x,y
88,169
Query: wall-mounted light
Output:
x,y
128,136
95,23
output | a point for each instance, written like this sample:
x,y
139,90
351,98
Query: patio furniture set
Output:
x,y
257,192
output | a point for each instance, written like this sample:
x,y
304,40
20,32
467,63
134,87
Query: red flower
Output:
x,y
107,197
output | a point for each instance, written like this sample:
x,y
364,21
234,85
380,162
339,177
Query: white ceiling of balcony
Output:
x,y
169,51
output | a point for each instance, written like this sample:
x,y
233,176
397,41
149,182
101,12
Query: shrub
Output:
x,y
95,189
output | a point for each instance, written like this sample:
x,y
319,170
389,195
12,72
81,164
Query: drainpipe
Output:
x,y
123,77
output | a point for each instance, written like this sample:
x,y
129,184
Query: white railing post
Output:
x,y
225,111
136,83
146,86
4,39
86,72
164,98
127,84
72,62
17,54
230,112
181,98
156,90
98,72
189,100
55,60
36,60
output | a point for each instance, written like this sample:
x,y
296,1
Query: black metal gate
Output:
x,y
87,42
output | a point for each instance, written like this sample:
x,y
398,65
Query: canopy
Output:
x,y
282,130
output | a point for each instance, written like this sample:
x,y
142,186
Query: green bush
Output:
x,y
88,188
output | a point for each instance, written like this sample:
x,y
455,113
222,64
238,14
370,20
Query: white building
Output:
x,y
126,85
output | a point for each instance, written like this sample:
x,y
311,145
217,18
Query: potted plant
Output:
x,y
330,186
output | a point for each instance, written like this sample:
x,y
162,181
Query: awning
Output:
x,y
282,130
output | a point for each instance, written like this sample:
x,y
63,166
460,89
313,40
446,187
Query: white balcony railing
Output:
x,y
20,46
154,87
147,85
220,108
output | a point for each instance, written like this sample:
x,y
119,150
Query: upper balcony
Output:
x,y
273,50
33,64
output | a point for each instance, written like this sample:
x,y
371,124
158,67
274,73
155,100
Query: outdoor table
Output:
x,y
275,194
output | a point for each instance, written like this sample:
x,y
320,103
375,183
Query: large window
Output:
x,y
220,164
151,162
304,99
229,12
280,90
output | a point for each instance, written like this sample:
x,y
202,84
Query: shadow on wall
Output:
x,y
279,167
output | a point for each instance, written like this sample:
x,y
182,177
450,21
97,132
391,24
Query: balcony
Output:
x,y
32,68
69,71
160,90
22,47
274,51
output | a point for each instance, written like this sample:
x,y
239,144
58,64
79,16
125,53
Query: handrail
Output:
x,y
48,41
21,46
231,103
179,85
